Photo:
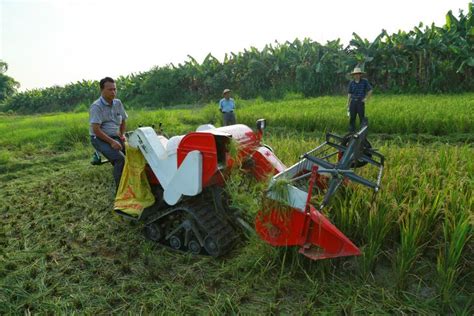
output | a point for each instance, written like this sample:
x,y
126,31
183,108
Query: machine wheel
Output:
x,y
175,242
152,232
211,246
194,247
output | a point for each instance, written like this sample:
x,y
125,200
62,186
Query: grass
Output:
x,y
63,251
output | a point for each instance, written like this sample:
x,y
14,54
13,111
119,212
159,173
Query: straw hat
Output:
x,y
357,70
225,91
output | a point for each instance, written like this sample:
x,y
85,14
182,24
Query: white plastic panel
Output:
x,y
187,180
205,127
296,197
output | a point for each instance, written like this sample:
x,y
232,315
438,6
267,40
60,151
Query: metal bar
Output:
x,y
310,189
329,135
301,177
379,178
181,226
320,162
330,155
333,186
313,150
356,178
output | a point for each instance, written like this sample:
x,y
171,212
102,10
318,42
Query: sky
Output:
x,y
56,42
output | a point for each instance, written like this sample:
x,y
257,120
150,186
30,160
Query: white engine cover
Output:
x,y
187,180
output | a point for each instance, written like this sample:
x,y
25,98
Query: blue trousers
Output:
x,y
356,107
228,118
116,157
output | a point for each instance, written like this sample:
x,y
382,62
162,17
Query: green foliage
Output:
x,y
54,99
81,107
8,85
163,86
432,59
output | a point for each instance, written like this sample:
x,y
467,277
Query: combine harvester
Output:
x,y
189,209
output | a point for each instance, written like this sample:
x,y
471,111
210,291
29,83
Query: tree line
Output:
x,y
427,59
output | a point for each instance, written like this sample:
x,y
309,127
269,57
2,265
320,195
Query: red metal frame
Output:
x,y
205,143
266,164
308,228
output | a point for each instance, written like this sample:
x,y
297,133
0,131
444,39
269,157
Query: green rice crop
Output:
x,y
63,251
434,115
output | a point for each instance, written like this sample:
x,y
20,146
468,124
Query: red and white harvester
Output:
x,y
192,210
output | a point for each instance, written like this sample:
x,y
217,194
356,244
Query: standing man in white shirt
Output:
x,y
227,107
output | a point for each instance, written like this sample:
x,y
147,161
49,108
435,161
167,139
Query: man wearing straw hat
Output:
x,y
360,91
227,107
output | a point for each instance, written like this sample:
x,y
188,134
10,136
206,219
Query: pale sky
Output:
x,y
55,42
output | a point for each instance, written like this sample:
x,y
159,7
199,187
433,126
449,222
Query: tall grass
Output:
x,y
457,230
435,115
456,234
432,115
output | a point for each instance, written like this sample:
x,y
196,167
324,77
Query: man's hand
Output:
x,y
116,145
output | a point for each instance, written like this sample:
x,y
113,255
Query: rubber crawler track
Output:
x,y
209,222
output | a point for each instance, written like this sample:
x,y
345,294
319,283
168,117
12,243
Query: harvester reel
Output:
x,y
366,146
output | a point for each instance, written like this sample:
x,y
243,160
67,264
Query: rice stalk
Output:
x,y
411,230
457,231
379,224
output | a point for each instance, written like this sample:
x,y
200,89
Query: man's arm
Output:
x,y
106,138
349,94
367,96
369,91
123,127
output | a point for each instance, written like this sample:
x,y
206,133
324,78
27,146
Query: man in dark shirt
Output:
x,y
227,107
360,91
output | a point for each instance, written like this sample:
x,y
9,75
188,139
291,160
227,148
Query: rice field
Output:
x,y
63,251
